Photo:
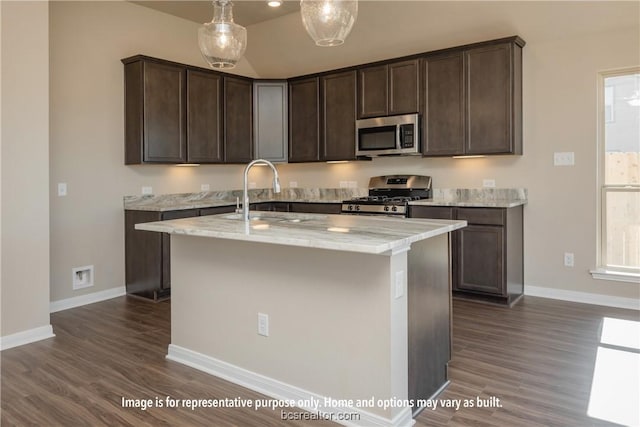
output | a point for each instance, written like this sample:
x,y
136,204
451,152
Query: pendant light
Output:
x,y
328,22
222,41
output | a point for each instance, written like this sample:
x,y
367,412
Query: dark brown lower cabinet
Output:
x,y
487,255
148,254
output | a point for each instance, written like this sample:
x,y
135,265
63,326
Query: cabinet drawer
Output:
x,y
433,212
186,213
322,208
482,216
217,210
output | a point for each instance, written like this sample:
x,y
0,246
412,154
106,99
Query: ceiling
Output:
x,y
245,12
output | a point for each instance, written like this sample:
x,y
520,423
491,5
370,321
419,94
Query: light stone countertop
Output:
x,y
476,197
352,233
208,199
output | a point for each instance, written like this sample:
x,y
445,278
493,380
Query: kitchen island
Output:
x,y
355,310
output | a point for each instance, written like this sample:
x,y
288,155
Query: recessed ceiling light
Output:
x,y
275,3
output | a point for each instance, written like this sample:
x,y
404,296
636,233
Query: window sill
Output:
x,y
618,276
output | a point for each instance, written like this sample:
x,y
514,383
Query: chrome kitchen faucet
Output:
x,y
245,195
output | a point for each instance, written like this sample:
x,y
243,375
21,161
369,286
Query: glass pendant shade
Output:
x,y
328,22
222,42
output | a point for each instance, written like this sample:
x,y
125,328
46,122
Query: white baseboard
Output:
x,y
65,304
583,297
279,390
26,337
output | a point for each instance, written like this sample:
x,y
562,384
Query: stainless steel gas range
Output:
x,y
390,195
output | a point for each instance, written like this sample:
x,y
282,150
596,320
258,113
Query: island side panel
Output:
x,y
429,305
331,315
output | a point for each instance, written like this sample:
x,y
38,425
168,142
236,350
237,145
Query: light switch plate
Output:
x,y
204,187
147,190
263,324
564,159
293,184
62,189
489,183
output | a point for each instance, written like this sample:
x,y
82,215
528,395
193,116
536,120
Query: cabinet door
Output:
x,y
238,120
270,120
443,116
304,120
339,116
442,212
204,117
166,244
165,132
489,83
481,251
373,91
143,254
403,87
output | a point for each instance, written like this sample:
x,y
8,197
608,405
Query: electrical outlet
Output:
x,y
204,187
344,184
489,183
293,184
62,189
568,259
564,159
263,324
252,185
147,190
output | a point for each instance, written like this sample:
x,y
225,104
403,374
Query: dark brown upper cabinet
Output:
x,y
155,113
493,77
389,89
472,100
338,116
443,115
204,117
173,113
304,120
238,120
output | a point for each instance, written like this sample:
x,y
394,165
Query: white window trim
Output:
x,y
603,272
615,275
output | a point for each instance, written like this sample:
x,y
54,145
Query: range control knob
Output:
x,y
386,208
357,207
350,207
394,208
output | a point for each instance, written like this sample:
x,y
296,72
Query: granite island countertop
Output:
x,y
364,234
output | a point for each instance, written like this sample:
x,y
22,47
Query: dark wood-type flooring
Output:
x,y
537,358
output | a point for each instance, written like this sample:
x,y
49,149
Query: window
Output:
x,y
619,174
608,104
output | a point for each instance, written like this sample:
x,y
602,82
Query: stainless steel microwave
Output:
x,y
388,136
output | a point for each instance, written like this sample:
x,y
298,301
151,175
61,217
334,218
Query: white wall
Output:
x,y
87,41
25,167
567,44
